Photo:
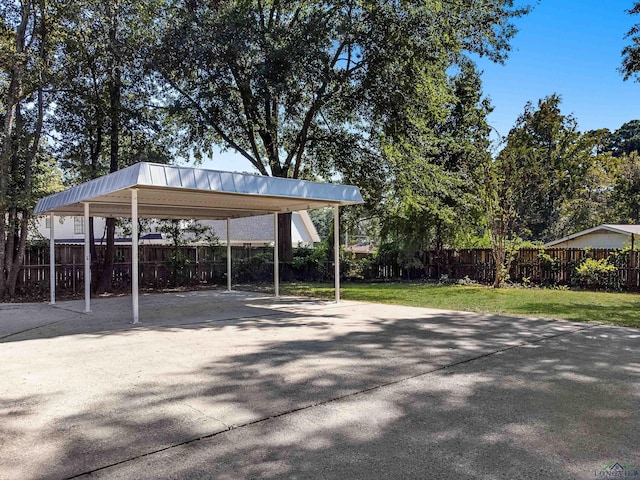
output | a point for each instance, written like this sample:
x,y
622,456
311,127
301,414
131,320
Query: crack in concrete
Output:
x,y
337,399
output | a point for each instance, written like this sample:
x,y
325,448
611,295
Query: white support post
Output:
x,y
87,261
276,260
134,255
228,254
336,250
52,260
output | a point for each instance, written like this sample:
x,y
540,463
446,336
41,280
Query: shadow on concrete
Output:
x,y
349,391
168,310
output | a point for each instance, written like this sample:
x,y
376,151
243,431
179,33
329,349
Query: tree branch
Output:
x,y
213,124
301,138
249,111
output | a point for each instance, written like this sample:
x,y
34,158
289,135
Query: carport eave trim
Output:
x,y
139,176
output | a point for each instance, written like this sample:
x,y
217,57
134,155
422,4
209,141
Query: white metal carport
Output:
x,y
147,190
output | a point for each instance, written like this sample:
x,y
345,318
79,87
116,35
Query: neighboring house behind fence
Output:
x,y
247,231
602,236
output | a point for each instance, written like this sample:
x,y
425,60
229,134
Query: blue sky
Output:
x,y
572,48
569,47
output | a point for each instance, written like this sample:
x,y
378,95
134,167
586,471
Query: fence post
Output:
x,y
632,277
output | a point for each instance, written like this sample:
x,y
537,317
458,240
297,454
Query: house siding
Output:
x,y
255,231
610,240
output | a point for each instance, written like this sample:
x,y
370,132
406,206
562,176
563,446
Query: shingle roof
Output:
x,y
256,229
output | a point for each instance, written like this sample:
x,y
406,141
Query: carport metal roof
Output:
x,y
166,191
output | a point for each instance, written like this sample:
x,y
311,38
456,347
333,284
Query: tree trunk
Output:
x,y
105,283
22,223
95,151
285,248
498,258
12,235
18,258
12,249
498,248
14,94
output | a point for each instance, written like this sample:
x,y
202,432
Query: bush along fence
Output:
x,y
164,266
585,268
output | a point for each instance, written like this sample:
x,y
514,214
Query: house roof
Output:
x,y
260,228
620,229
166,191
100,241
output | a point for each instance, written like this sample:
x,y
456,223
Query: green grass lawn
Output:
x,y
612,308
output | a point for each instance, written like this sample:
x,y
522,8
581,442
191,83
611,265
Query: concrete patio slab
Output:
x,y
242,385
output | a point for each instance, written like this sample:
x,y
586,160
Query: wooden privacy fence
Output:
x,y
160,267
553,266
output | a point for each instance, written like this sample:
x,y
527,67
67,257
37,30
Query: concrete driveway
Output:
x,y
219,385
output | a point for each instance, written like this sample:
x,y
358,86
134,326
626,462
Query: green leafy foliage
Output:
x,y
29,38
626,189
107,113
550,266
631,53
107,105
548,181
301,89
625,140
383,95
593,272
430,195
548,160
311,264
295,85
181,233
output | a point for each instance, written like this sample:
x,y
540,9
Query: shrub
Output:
x,y
178,264
354,269
466,281
257,268
592,272
311,264
549,268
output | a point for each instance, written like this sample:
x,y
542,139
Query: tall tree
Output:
x,y
625,140
591,203
27,41
547,180
499,194
297,86
105,114
631,53
626,190
432,159
552,158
